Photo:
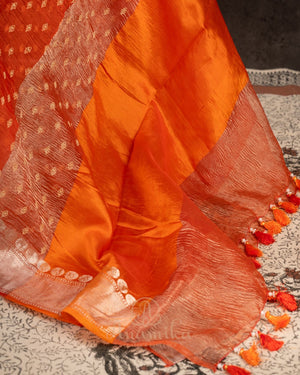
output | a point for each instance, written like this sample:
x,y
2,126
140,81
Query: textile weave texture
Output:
x,y
31,343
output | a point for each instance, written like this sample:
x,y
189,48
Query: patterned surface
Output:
x,y
274,77
31,343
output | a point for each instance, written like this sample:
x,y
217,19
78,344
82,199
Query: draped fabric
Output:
x,y
135,157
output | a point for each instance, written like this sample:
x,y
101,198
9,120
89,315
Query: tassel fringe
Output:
x,y
296,180
252,251
287,300
280,216
294,199
273,227
289,207
278,322
235,370
251,355
269,343
264,238
284,299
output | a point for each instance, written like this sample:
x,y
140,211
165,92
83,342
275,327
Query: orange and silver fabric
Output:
x,y
135,156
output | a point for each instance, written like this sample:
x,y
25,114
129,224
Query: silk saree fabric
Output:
x,y
135,157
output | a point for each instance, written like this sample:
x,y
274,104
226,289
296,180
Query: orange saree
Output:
x,y
135,163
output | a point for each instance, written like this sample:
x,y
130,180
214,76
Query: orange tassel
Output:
x,y
272,226
256,263
235,370
264,238
251,355
287,300
294,199
297,182
252,251
281,217
278,321
269,343
289,207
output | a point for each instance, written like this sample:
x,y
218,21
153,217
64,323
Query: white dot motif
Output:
x,y
43,250
123,11
43,266
57,271
25,231
21,244
23,210
27,50
19,188
9,123
114,272
2,225
122,285
60,192
130,299
4,213
47,150
71,275
50,221
85,278
53,171
31,256
70,166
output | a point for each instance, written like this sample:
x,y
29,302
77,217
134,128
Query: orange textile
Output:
x,y
137,169
25,30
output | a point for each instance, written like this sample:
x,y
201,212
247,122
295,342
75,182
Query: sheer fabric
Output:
x,y
135,158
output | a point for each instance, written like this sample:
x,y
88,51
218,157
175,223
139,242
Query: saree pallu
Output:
x,y
134,157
